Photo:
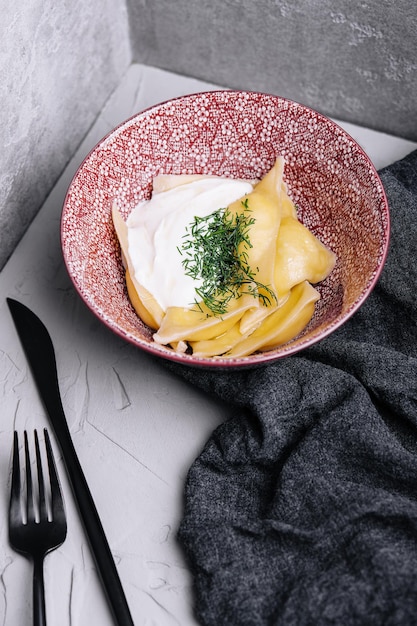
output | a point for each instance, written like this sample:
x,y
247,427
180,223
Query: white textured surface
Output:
x,y
136,427
59,62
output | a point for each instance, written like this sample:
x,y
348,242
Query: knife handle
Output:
x,y
94,529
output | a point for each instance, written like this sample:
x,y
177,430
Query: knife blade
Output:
x,y
40,354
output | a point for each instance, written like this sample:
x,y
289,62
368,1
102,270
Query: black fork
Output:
x,y
37,522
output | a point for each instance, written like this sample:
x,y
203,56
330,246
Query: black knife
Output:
x,y
40,354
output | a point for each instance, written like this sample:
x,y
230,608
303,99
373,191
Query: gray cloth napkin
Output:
x,y
302,508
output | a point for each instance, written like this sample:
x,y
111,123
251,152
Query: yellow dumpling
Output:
x,y
299,256
142,301
198,323
264,204
264,207
283,324
218,345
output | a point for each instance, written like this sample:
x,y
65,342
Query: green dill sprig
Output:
x,y
215,253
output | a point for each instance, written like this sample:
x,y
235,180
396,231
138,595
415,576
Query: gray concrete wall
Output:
x,y
351,59
59,61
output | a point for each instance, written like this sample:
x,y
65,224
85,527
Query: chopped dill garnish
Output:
x,y
215,253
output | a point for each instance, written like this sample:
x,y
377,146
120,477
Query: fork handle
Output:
x,y
39,612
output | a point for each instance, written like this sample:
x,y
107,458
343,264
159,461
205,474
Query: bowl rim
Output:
x,y
257,358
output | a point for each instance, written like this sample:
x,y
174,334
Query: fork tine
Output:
x,y
37,535
15,508
43,510
57,502
30,509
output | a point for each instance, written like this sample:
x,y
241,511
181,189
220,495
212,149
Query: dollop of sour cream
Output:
x,y
156,231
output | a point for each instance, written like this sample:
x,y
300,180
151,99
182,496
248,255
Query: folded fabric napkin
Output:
x,y
302,508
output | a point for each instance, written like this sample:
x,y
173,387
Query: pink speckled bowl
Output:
x,y
239,134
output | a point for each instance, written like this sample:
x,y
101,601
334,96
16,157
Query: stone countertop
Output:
x,y
135,426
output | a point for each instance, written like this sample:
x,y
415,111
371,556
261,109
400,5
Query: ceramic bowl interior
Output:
x,y
338,194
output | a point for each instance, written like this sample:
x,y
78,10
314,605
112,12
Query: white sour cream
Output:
x,y
156,229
